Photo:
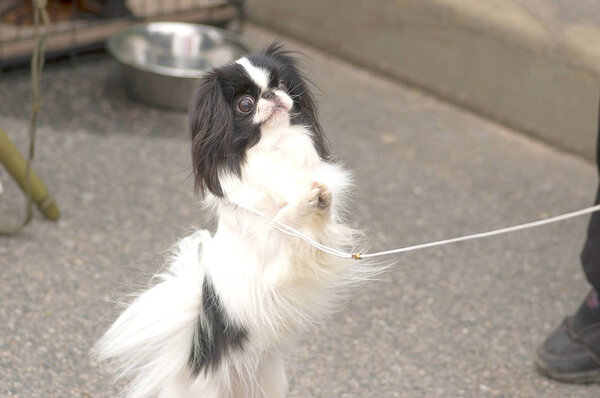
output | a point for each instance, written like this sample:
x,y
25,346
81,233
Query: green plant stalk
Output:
x,y
16,166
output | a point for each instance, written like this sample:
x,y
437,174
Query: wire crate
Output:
x,y
81,25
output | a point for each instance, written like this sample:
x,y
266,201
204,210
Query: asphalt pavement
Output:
x,y
457,321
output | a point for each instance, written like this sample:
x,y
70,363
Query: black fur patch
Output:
x,y
215,335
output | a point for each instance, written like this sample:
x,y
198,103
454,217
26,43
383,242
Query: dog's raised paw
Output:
x,y
319,196
324,197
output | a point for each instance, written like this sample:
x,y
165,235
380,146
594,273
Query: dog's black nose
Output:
x,y
269,94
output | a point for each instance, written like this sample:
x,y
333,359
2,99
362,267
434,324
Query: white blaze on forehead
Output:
x,y
258,75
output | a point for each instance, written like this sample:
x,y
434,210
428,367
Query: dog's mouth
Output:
x,y
278,110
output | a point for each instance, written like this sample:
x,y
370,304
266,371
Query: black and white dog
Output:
x,y
221,320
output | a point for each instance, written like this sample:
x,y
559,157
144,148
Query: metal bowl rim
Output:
x,y
165,70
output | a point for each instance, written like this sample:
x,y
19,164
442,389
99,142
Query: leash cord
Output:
x,y
286,229
40,19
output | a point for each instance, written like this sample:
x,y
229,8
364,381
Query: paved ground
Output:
x,y
457,321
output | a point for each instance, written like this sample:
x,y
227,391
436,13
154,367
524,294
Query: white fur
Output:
x,y
273,284
282,104
259,75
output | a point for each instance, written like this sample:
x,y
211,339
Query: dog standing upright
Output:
x,y
221,320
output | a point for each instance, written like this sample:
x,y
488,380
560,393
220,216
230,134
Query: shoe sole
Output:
x,y
587,377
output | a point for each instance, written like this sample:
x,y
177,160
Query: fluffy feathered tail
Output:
x,y
150,342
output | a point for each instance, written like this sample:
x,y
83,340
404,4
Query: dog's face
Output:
x,y
238,103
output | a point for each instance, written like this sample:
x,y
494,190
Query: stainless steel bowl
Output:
x,y
162,61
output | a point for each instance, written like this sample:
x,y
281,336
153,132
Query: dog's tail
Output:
x,y
149,344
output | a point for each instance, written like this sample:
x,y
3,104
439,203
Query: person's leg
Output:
x,y
589,311
590,255
572,352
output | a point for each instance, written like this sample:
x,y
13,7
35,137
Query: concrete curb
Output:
x,y
513,61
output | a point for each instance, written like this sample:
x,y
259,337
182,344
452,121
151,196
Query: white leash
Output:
x,y
358,256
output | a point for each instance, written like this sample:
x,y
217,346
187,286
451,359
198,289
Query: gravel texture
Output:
x,y
456,321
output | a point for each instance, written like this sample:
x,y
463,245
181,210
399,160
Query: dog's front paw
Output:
x,y
318,197
317,200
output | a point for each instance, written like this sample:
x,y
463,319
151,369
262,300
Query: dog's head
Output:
x,y
237,103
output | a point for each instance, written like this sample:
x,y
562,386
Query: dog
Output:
x,y
227,312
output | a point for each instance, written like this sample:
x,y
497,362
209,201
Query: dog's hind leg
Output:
x,y
268,381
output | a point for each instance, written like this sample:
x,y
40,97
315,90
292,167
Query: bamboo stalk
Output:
x,y
16,165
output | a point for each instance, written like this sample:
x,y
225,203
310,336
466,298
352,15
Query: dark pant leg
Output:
x,y
590,256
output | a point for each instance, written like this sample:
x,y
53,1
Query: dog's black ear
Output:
x,y
299,89
211,129
307,115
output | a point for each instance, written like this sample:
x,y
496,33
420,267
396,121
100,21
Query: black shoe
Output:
x,y
572,352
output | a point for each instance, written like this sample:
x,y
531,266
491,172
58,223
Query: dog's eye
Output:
x,y
282,85
245,104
